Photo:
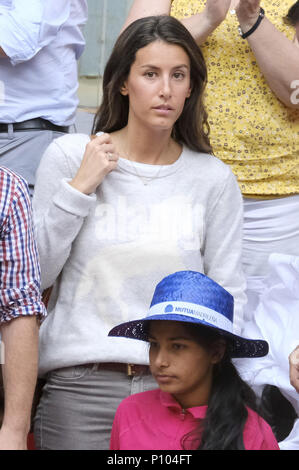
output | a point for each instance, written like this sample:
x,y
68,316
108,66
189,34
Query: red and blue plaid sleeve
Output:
x,y
19,264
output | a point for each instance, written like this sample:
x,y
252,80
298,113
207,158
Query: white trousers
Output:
x,y
270,226
271,264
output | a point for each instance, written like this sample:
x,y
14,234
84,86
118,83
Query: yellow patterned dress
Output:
x,y
251,130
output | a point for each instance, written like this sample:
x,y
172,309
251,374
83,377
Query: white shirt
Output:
x,y
107,251
43,40
276,320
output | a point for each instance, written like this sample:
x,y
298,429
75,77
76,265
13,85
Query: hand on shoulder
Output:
x,y
99,159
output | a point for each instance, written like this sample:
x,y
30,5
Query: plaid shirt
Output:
x,y
19,264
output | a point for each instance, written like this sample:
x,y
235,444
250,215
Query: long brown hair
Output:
x,y
223,426
192,127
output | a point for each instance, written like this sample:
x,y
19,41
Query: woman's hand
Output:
x,y
248,13
294,368
216,11
98,160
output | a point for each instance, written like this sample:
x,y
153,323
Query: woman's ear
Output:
x,y
190,89
189,93
124,90
218,350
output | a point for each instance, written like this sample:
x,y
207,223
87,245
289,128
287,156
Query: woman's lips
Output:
x,y
163,379
163,109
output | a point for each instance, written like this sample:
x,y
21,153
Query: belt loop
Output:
x,y
10,131
130,371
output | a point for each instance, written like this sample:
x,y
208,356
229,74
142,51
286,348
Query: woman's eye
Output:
x,y
150,74
153,344
179,75
178,346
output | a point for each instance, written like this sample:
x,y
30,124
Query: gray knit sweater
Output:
x,y
105,252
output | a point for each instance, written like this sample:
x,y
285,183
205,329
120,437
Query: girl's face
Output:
x,y
180,365
158,85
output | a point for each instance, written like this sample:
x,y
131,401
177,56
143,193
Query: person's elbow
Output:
x,y
21,46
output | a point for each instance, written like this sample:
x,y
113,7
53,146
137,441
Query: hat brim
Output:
x,y
240,347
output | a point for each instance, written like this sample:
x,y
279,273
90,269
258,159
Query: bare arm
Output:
x,y
203,24
200,25
20,338
20,305
143,8
276,55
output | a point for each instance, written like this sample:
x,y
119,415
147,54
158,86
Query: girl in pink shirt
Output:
x,y
202,403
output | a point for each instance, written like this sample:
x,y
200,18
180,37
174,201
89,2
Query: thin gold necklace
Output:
x,y
146,180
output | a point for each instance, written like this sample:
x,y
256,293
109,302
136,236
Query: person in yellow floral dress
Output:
x,y
252,98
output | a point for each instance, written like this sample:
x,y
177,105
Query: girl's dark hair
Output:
x,y
278,411
292,16
223,426
192,127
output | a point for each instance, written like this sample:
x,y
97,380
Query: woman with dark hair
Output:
x,y
202,402
114,213
191,127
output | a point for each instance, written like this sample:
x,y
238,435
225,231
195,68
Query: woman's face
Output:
x,y
180,365
158,85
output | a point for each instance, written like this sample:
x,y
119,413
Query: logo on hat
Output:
x,y
197,299
168,309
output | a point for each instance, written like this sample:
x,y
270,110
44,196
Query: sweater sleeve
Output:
x,y
223,245
59,212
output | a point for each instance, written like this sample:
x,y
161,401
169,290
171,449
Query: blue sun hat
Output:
x,y
192,297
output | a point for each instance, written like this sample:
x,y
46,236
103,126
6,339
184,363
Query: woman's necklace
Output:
x,y
146,180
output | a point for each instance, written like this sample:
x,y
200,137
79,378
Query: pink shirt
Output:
x,y
154,420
